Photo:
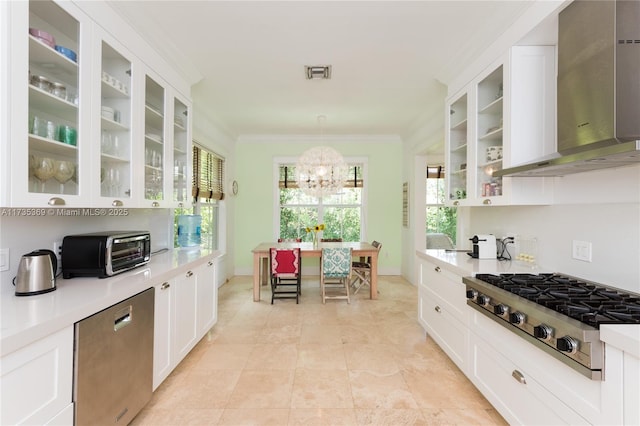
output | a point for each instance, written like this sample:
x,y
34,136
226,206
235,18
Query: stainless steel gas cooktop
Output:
x,y
558,313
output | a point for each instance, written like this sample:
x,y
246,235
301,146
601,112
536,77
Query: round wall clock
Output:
x,y
234,187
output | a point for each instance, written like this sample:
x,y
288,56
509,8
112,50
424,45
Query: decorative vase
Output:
x,y
315,240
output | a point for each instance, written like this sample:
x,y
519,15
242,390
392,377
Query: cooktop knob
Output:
x,y
500,309
516,318
472,294
483,300
542,331
567,344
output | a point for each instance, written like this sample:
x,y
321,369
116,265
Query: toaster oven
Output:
x,y
104,254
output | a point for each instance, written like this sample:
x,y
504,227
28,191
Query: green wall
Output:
x,y
254,205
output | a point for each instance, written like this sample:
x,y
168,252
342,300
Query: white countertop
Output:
x,y
623,336
26,319
463,264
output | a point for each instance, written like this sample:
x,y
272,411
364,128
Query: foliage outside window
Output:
x,y
440,219
207,191
341,213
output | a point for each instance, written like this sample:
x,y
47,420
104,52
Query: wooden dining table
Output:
x,y
261,260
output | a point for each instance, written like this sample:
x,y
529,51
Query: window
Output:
x,y
440,219
341,213
207,191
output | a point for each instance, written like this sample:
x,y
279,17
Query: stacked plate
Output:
x,y
44,37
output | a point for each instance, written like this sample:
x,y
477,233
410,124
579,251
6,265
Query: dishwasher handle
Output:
x,y
122,318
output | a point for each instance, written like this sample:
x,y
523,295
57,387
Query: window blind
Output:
x,y
288,177
435,172
208,174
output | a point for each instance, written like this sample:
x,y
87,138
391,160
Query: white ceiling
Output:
x,y
389,58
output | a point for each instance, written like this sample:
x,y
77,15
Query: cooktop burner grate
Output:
x,y
586,302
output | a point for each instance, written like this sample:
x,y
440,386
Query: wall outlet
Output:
x,y
582,250
57,249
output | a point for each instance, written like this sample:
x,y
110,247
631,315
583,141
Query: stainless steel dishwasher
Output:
x,y
113,362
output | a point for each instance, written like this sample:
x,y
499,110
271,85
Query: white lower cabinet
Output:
x,y
442,311
512,391
185,309
528,386
36,382
207,298
186,303
162,332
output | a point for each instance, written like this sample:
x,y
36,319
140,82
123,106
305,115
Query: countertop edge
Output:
x,y
28,319
623,336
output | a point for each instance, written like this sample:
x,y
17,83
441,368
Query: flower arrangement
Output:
x,y
315,230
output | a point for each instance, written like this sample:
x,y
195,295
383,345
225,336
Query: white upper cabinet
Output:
x,y
49,138
90,125
503,117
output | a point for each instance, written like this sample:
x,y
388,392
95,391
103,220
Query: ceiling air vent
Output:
x,y
318,72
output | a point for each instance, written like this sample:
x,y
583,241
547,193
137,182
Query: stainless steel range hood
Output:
x,y
598,90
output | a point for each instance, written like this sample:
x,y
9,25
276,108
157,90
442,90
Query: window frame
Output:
x,y
280,161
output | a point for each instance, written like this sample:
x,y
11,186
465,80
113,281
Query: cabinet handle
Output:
x,y
165,285
56,201
155,204
486,202
456,203
189,273
437,309
519,377
437,269
209,263
117,203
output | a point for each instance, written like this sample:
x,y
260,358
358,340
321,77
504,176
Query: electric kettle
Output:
x,y
36,273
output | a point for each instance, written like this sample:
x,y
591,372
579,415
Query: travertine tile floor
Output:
x,y
364,363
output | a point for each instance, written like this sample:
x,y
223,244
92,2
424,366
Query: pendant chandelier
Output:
x,y
321,171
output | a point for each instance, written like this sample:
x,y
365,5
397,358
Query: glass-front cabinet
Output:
x,y
181,152
457,137
154,142
116,153
88,124
488,143
504,117
54,141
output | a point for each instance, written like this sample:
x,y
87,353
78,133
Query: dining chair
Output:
x,y
289,240
335,273
286,274
362,271
330,240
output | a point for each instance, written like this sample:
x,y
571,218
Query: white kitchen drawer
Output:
x,y
521,401
599,402
447,286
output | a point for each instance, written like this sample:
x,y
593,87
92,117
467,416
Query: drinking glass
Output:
x,y
63,171
43,170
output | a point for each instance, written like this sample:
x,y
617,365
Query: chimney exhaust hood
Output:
x,y
598,90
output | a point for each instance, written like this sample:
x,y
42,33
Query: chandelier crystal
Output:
x,y
321,171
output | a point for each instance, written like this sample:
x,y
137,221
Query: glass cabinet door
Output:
x,y
115,125
489,135
53,133
154,140
180,152
457,128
